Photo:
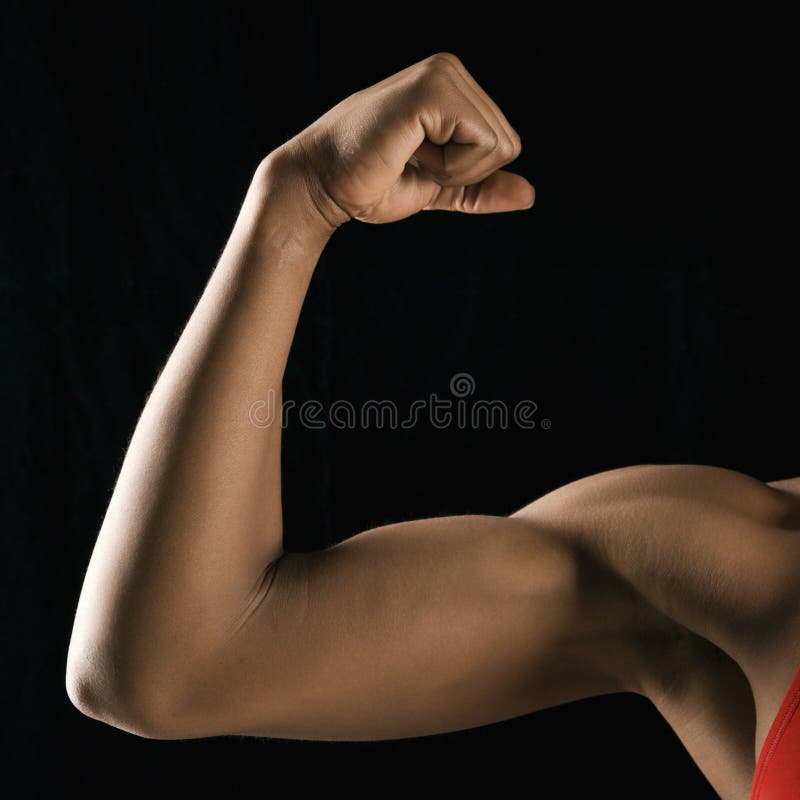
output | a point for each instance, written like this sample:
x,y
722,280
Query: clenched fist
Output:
x,y
425,138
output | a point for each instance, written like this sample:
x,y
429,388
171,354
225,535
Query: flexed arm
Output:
x,y
193,621
191,543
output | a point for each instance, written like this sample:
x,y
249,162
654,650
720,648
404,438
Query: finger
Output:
x,y
460,146
477,172
481,100
501,191
484,101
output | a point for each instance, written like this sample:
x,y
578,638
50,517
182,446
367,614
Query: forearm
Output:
x,y
195,515
179,595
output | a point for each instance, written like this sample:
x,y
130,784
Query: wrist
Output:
x,y
286,175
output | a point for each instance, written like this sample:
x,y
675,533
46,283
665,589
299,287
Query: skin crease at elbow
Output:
x,y
194,621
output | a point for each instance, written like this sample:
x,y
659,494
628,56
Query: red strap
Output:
x,y
777,775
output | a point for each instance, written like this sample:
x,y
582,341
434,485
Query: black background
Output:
x,y
647,304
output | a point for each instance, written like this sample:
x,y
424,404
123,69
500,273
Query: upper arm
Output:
x,y
407,629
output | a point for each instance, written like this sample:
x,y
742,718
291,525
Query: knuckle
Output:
x,y
444,59
436,76
493,143
505,149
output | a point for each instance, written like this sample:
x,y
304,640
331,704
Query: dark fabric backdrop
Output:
x,y
647,305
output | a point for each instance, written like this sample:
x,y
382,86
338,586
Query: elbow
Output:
x,y
88,696
122,701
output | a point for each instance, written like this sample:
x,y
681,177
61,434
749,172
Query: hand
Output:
x,y
425,138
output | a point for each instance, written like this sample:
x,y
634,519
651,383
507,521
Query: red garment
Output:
x,y
777,775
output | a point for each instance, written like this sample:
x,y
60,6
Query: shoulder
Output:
x,y
699,485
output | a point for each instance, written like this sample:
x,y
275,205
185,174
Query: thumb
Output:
x,y
500,191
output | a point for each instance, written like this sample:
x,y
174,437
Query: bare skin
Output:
x,y
677,582
718,554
